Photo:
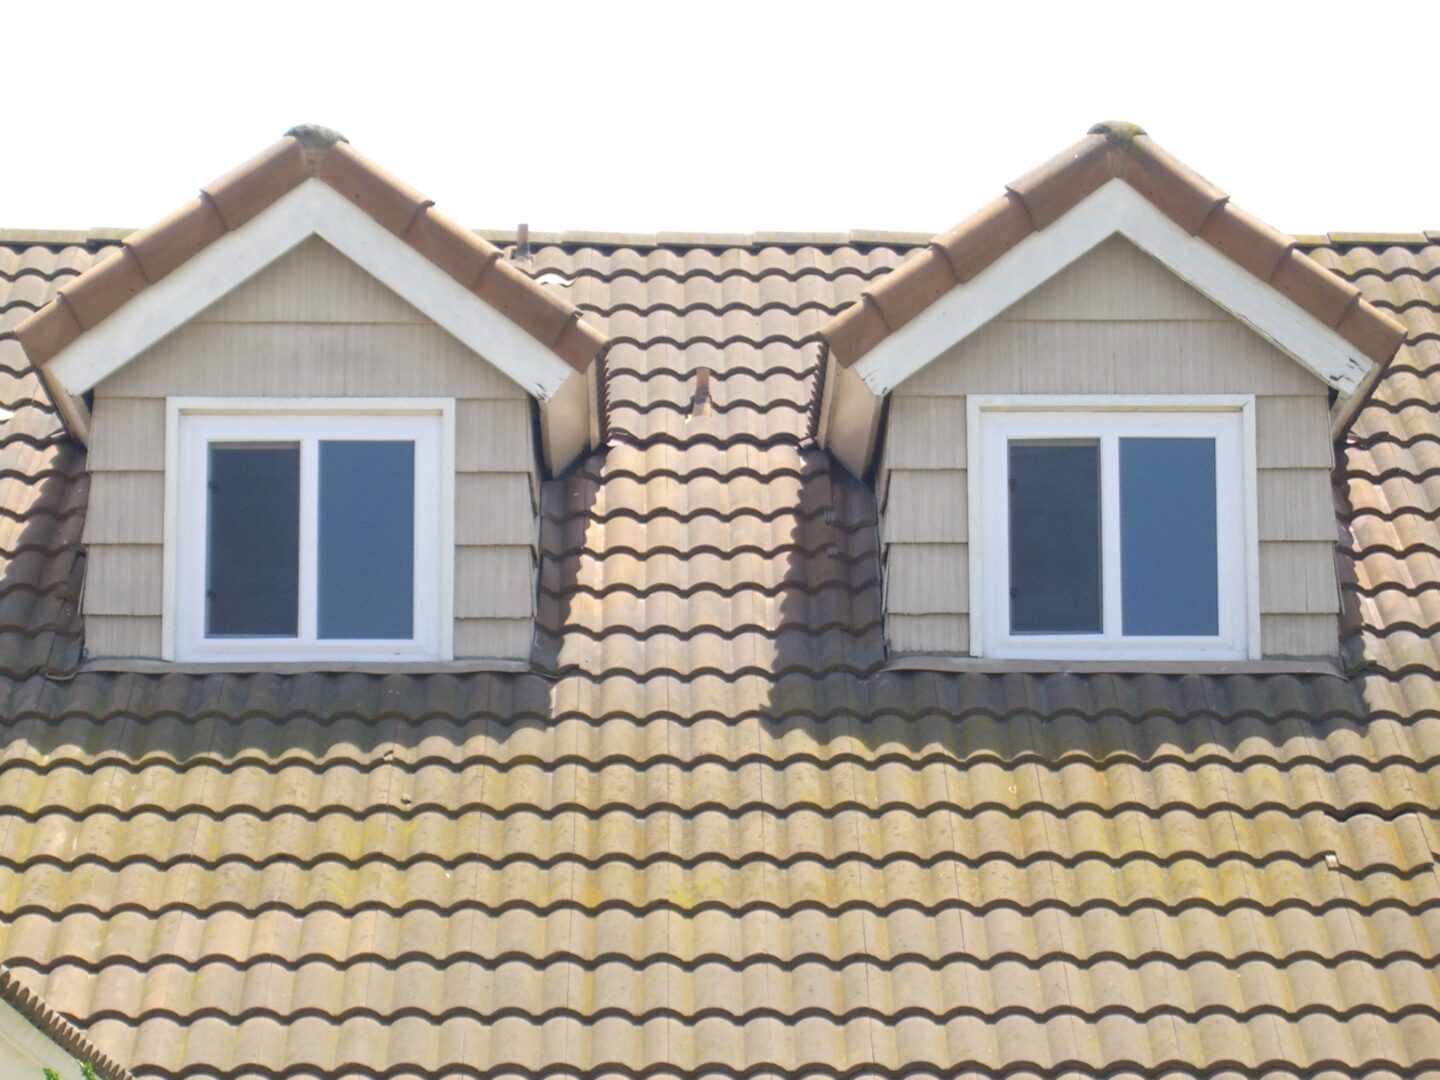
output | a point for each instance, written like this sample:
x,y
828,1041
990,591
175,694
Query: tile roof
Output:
x,y
718,840
1040,197
305,152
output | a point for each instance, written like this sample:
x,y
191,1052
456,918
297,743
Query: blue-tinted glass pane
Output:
x,y
1055,538
252,572
1168,561
367,540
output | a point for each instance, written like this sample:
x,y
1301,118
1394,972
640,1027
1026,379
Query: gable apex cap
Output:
x,y
316,135
316,141
1117,131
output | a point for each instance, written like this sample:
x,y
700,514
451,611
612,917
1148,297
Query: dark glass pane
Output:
x,y
1168,562
252,577
367,540
1055,538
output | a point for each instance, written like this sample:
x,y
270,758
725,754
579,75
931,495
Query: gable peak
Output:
x,y
1110,150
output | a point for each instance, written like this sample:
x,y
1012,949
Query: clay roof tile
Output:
x,y
104,287
1063,181
1111,149
225,205
49,330
172,240
391,202
1372,331
1180,193
456,250
579,343
540,313
984,236
855,331
1246,240
244,191
1317,290
914,285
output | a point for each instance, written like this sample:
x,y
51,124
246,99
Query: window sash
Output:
x,y
428,423
995,422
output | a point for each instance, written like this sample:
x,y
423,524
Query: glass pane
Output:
x,y
1169,565
1055,538
252,574
367,540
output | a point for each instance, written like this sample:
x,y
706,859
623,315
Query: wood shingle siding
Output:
x,y
313,324
1114,322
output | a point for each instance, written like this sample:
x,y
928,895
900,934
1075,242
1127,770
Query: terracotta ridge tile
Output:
x,y
161,247
459,252
228,203
251,187
1110,150
48,330
390,201
104,287
1058,185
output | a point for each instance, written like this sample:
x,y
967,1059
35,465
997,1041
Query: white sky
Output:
x,y
725,117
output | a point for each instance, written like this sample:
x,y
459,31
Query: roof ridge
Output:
x,y
304,153
686,239
1110,150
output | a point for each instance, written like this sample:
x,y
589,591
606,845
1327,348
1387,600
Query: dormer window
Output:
x,y
1112,528
310,530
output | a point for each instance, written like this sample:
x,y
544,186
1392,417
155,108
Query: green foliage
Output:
x,y
87,1071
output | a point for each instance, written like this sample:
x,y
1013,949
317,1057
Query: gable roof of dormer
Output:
x,y
308,183
1349,341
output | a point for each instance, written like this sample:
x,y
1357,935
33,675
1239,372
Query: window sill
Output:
x,y
988,666
309,667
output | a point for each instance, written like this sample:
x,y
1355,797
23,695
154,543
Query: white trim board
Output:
x,y
312,209
26,1050
1116,208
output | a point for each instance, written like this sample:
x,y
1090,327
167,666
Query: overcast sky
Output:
x,y
722,118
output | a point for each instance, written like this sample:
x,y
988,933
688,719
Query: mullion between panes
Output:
x,y
1110,583
309,537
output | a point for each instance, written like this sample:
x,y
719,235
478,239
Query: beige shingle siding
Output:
x,y
312,324
1115,322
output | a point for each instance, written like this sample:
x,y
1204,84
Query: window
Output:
x,y
1108,528
309,530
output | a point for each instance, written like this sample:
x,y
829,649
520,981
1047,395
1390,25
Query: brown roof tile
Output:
x,y
249,188
238,196
981,239
1246,240
1058,185
171,241
100,290
391,202
1110,150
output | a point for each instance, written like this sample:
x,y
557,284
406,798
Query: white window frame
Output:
x,y
193,423
992,420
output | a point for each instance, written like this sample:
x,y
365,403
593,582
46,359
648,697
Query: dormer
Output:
x,y
1099,416
318,413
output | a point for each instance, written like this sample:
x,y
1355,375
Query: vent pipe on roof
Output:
x,y
522,242
700,401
